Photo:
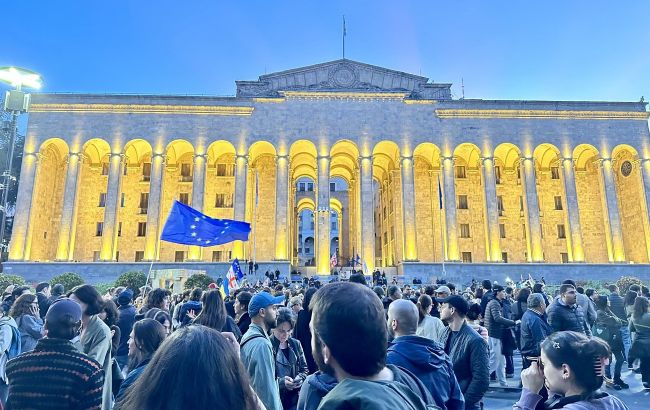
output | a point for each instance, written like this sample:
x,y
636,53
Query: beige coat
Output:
x,y
96,343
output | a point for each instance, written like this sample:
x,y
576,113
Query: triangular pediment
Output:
x,y
342,76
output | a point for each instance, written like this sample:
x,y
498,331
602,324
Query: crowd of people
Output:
x,y
306,346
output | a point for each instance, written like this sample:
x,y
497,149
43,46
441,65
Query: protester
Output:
x,y
125,323
25,312
302,331
487,295
192,356
257,350
640,349
617,305
145,338
467,350
428,326
587,305
534,329
565,314
56,375
425,358
241,311
191,308
290,363
213,314
607,327
572,366
364,380
496,325
95,335
58,291
43,294
442,292
472,320
157,298
9,348
296,305
160,316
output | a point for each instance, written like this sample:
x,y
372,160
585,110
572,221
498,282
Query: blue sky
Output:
x,y
546,50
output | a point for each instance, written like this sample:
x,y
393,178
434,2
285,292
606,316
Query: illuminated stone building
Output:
x,y
526,185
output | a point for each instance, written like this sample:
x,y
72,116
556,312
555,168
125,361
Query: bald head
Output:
x,y
404,314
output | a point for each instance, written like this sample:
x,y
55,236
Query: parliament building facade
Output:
x,y
336,159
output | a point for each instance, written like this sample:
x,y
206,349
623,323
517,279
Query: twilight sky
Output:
x,y
546,50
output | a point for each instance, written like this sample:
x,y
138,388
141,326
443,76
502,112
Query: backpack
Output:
x,y
15,348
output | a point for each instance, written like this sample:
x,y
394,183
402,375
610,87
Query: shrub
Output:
x,y
6,280
199,280
69,280
625,282
132,280
103,288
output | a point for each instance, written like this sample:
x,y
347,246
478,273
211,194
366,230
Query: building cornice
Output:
x,y
552,114
144,109
345,95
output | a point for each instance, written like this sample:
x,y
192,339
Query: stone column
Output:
x,y
323,216
573,213
109,236
152,241
491,210
645,177
367,208
615,246
239,203
408,210
198,196
26,184
281,207
531,209
65,248
451,224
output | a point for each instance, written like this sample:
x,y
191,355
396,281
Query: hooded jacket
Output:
x,y
428,362
315,387
9,343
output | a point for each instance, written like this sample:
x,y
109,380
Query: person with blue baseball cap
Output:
x,y
257,350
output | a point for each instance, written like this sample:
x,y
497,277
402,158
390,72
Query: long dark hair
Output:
x,y
424,301
213,314
22,305
580,353
149,335
630,296
640,307
194,356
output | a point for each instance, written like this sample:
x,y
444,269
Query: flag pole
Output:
x,y
443,248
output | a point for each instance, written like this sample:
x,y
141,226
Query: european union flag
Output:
x,y
188,226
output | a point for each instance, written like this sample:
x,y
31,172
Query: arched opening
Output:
x,y
426,174
344,189
261,198
302,177
470,204
590,203
47,201
177,186
552,204
388,203
510,202
631,202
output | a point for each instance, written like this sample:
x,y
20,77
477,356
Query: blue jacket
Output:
x,y
130,379
534,330
617,305
429,362
315,387
125,322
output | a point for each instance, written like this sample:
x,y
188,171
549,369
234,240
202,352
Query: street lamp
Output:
x,y
16,102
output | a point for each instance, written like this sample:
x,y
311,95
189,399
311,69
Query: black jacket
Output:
x,y
565,317
469,355
617,305
244,322
303,334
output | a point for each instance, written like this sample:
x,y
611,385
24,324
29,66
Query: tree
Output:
x,y
69,280
6,280
199,280
132,280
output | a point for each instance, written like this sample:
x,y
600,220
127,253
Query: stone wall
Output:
x,y
472,186
511,191
592,222
547,189
92,184
632,209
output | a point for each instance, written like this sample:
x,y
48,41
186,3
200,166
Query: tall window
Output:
x,y
186,172
497,174
104,168
144,202
460,171
96,256
502,230
310,186
332,186
564,257
500,205
555,173
504,257
179,256
119,229
146,171
558,203
122,200
225,170
142,228
184,198
561,233
139,256
99,230
223,201
217,256
102,200
464,231
462,202
301,187
466,257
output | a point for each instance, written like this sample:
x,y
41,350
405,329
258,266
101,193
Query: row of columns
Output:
x,y
364,205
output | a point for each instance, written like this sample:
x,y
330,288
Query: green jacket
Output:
x,y
95,342
257,357
371,395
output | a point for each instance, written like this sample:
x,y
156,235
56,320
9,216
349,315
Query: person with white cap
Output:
x,y
443,292
257,350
